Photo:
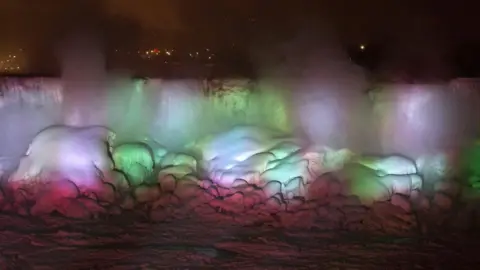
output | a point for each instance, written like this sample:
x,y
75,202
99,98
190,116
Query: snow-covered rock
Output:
x,y
364,183
434,168
78,154
395,164
137,174
128,155
284,149
179,159
402,184
284,172
272,188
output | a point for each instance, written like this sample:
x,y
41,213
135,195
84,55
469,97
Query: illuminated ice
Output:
x,y
125,156
77,154
179,159
238,143
207,139
159,151
397,165
365,183
286,171
402,184
245,150
284,154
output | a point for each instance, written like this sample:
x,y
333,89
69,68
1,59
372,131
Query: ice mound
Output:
x,y
379,178
241,152
62,164
435,167
247,175
393,164
241,142
136,160
159,151
77,154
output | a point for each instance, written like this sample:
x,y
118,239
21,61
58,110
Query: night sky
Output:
x,y
408,26
37,21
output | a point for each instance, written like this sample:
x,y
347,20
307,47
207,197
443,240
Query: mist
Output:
x,y
307,87
337,103
329,101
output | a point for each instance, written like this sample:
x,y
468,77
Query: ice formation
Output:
x,y
136,160
82,171
78,154
247,166
394,164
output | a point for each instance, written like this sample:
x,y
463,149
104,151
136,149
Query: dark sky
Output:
x,y
35,23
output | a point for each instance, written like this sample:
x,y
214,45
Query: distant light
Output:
x,y
362,47
168,53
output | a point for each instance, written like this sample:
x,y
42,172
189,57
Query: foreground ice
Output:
x,y
78,154
252,194
245,171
